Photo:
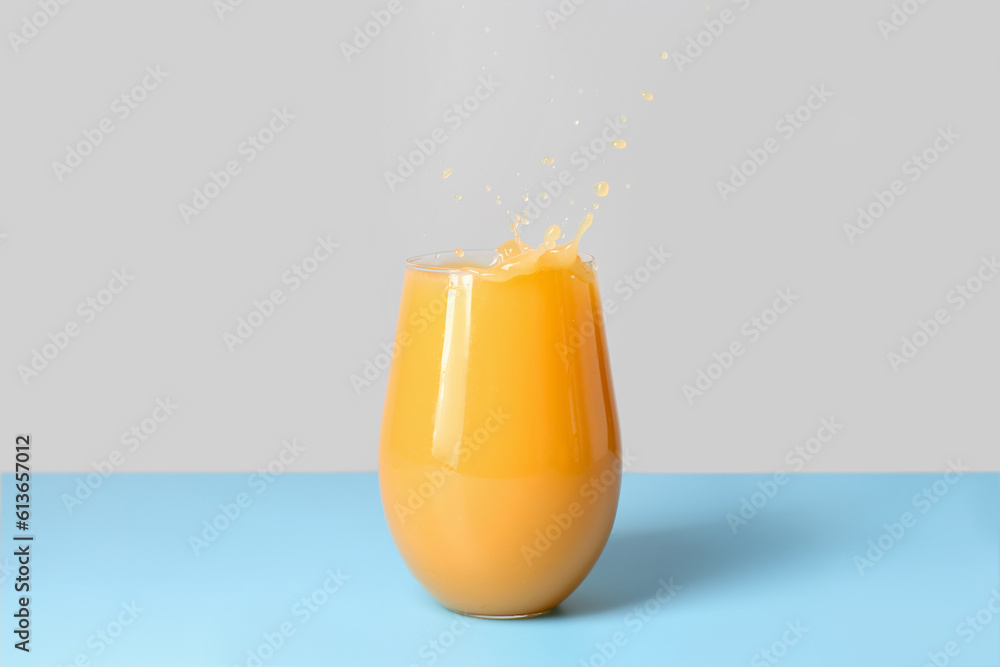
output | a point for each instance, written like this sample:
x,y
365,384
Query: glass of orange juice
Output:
x,y
499,457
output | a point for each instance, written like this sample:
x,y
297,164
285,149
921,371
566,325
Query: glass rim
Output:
x,y
422,262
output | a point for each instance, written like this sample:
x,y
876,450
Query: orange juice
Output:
x,y
499,460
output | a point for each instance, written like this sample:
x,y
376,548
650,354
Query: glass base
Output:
x,y
502,618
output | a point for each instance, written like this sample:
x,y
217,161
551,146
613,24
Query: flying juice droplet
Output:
x,y
596,205
646,95
664,55
602,189
459,252
458,196
446,173
547,160
488,188
619,143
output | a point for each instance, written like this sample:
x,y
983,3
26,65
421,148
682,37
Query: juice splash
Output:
x,y
517,258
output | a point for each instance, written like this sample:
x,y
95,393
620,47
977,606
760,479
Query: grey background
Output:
x,y
324,175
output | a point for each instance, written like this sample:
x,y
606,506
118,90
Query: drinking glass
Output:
x,y
499,455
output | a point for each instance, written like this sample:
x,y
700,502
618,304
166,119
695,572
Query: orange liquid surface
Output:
x,y
499,460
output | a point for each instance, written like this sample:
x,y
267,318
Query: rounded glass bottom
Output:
x,y
502,618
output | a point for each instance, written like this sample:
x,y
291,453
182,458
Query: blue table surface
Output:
x,y
307,574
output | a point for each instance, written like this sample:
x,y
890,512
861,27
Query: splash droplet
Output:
x,y
458,196
624,118
646,95
619,143
664,55
576,122
446,173
524,197
488,188
459,252
547,160
543,196
596,205
602,189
